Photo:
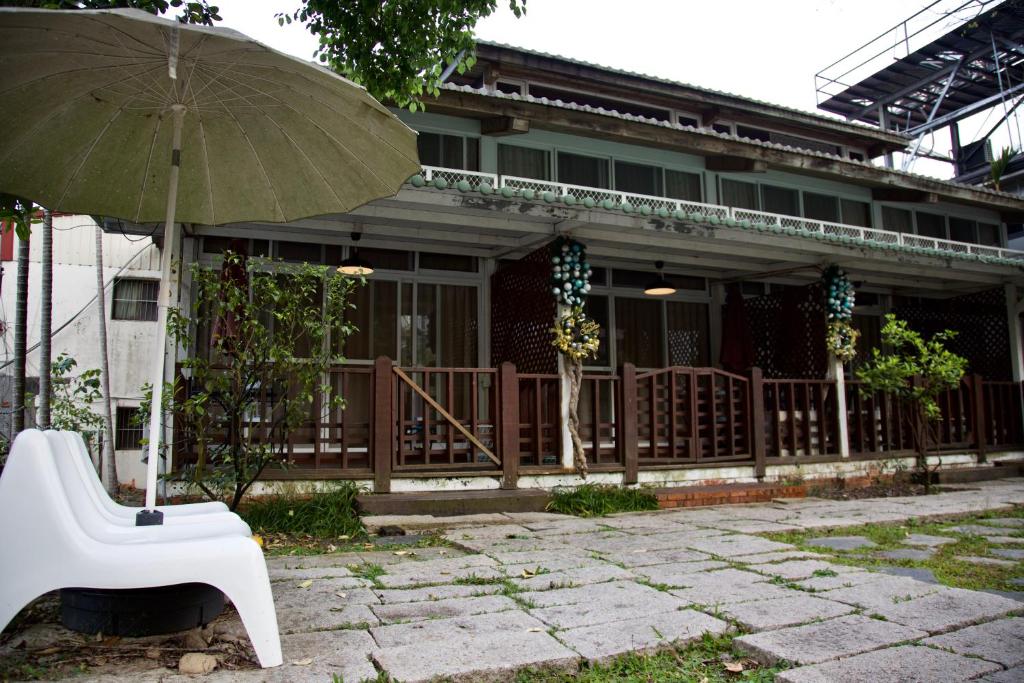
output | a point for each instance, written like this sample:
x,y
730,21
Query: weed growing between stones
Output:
x,y
330,514
598,500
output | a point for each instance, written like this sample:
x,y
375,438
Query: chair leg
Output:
x,y
255,605
15,599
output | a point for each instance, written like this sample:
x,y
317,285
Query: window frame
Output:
x,y
114,299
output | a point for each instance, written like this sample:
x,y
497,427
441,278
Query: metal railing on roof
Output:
x,y
666,207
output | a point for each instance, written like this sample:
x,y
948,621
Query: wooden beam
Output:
x,y
735,164
504,125
899,194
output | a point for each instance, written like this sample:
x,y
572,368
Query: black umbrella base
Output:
x,y
139,611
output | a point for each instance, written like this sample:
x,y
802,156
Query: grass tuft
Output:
x,y
598,500
329,514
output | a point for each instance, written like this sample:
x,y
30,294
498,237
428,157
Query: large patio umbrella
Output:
x,y
120,113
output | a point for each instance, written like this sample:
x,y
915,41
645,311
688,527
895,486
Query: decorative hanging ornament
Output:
x,y
570,271
840,298
576,335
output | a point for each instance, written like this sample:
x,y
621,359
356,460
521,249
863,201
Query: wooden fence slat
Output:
x,y
508,385
628,423
381,417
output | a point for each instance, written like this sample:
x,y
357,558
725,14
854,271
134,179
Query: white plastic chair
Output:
x,y
44,547
116,529
71,446
77,445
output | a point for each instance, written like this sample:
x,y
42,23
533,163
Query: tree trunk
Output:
x,y
108,461
20,337
45,321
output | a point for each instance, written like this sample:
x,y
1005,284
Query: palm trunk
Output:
x,y
108,460
45,321
20,336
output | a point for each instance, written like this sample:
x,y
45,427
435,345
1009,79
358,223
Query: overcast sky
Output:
x,y
764,50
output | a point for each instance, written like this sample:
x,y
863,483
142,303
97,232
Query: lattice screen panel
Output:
x,y
522,314
788,330
980,320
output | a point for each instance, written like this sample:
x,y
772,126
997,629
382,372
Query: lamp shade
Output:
x,y
354,265
659,285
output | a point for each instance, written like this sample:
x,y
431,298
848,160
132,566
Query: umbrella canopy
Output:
x,y
123,114
87,124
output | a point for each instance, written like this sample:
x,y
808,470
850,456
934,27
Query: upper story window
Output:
x,y
780,200
931,225
576,169
524,162
639,178
739,194
683,185
688,120
449,151
135,299
897,220
822,207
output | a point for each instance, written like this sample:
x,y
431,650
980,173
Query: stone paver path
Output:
x,y
554,591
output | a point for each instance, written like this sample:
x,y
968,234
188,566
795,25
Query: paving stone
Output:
x,y
762,615
885,591
1009,595
916,573
1005,540
927,540
431,630
756,526
947,609
553,565
483,657
322,591
641,634
610,606
715,591
613,590
292,618
573,577
456,607
800,569
999,641
825,640
991,561
828,583
412,578
737,544
779,556
677,575
1004,521
340,574
906,554
1014,675
391,596
980,530
842,542
1009,553
905,664
1017,582
643,558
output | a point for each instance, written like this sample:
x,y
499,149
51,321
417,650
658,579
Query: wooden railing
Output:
x,y
692,416
802,418
427,421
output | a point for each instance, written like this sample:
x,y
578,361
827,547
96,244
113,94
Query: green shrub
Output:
x,y
598,500
327,515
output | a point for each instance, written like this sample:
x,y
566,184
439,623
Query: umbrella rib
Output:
x,y
149,162
85,157
284,104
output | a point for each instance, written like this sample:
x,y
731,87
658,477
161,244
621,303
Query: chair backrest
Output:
x,y
80,456
34,511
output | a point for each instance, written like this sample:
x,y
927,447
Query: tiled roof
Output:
x,y
483,92
853,126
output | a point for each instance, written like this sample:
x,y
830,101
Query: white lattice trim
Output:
x,y
453,176
517,183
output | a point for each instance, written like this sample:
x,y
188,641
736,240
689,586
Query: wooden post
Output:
x,y
838,375
508,386
978,413
383,424
627,428
757,421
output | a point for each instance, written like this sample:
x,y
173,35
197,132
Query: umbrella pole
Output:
x,y
150,515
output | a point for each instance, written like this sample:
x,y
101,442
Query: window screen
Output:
x,y
682,185
988,235
580,170
638,178
931,225
128,433
687,333
856,213
135,299
897,220
821,207
780,200
739,194
448,151
639,335
962,230
524,162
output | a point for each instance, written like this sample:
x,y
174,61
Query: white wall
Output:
x,y
131,343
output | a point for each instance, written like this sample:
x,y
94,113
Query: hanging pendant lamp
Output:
x,y
354,265
659,285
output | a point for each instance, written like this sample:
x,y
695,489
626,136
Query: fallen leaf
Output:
x,y
442,552
258,539
342,595
306,584
331,548
303,662
734,667
344,537
197,663
48,651
527,573
401,553
535,629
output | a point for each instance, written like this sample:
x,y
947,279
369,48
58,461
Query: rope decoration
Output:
x,y
575,335
840,337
